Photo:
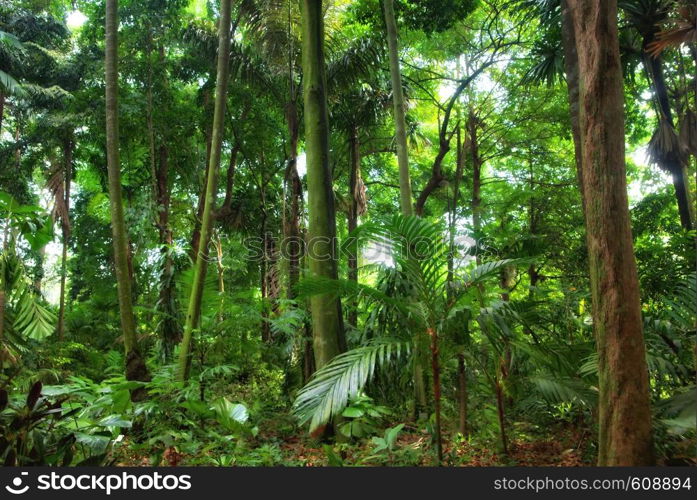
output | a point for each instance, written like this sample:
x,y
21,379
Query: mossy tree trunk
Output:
x,y
327,323
135,364
625,434
200,266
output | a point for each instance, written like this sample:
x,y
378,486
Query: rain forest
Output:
x,y
348,232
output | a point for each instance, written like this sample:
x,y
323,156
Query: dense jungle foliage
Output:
x,y
350,232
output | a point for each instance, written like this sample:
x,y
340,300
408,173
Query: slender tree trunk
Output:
x,y
2,110
198,216
573,88
294,241
452,228
135,364
221,274
295,246
461,373
68,174
354,177
624,410
405,195
476,177
263,272
462,395
399,104
170,329
435,371
200,268
501,415
327,322
150,113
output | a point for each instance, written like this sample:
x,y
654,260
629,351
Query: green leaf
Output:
x,y
114,421
95,442
352,412
331,387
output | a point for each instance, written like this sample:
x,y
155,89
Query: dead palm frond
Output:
x,y
683,31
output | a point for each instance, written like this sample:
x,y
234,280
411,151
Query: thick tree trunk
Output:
x,y
400,122
200,267
135,364
624,410
67,176
327,322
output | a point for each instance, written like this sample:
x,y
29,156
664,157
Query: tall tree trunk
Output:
x,y
400,122
573,88
67,176
327,322
476,176
150,114
198,216
405,195
135,364
624,410
354,207
200,267
294,242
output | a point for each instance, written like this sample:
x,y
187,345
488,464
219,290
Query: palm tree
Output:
x,y
327,322
665,147
135,363
427,304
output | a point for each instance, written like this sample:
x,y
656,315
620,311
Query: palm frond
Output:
x,y
555,389
33,319
10,85
332,386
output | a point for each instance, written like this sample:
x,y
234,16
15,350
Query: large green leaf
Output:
x,y
327,393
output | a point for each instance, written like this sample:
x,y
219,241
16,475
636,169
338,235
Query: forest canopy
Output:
x,y
348,232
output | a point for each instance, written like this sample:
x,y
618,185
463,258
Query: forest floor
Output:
x,y
565,447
